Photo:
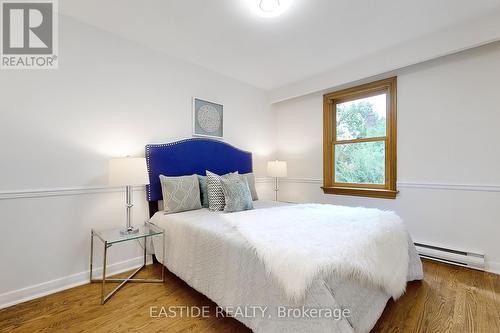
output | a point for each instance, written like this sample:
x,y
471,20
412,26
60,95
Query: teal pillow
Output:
x,y
203,190
237,195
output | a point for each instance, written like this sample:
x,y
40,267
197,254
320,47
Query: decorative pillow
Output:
x,y
215,195
180,193
251,185
203,190
236,195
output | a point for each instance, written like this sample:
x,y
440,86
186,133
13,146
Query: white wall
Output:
x,y
111,96
448,155
108,98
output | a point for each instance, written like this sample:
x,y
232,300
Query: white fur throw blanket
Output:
x,y
299,243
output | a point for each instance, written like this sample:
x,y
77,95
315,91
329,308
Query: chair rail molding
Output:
x,y
83,190
414,185
78,190
62,191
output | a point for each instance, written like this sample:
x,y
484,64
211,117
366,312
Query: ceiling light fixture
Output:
x,y
269,6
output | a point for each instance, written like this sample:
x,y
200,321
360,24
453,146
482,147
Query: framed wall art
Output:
x,y
208,118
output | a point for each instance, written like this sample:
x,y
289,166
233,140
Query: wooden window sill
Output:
x,y
361,192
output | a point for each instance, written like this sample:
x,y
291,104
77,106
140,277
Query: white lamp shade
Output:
x,y
128,171
276,169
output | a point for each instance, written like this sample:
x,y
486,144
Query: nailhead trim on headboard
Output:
x,y
149,147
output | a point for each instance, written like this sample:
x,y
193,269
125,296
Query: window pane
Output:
x,y
360,163
361,118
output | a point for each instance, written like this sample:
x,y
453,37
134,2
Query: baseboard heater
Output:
x,y
450,256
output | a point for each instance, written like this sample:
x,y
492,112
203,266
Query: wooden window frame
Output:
x,y
330,100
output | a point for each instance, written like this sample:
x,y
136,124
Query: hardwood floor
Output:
x,y
450,299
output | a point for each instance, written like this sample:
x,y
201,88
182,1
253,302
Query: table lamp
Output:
x,y
128,172
276,169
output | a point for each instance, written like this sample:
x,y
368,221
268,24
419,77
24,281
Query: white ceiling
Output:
x,y
311,37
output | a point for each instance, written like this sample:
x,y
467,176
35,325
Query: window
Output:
x,y
359,140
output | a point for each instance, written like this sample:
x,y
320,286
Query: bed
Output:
x,y
218,259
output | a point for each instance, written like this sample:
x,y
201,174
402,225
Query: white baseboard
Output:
x,y
493,267
46,288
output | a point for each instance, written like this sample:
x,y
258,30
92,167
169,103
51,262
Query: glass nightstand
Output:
x,y
110,237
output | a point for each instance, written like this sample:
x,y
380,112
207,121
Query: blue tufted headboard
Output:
x,y
191,156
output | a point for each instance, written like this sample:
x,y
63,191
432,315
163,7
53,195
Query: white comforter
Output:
x,y
299,243
213,257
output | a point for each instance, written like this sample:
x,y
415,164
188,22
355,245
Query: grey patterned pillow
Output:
x,y
214,187
251,185
236,195
180,193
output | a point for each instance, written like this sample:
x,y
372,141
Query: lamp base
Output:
x,y
129,231
276,189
